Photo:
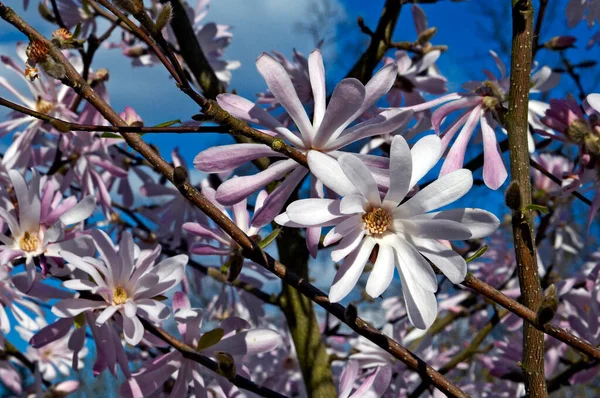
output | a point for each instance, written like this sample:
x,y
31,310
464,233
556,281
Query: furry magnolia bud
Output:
x,y
549,306
226,365
427,35
512,196
180,176
164,16
37,51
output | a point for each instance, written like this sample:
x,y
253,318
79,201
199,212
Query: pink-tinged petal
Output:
x,y
382,273
480,222
127,255
79,263
384,123
443,111
56,213
223,158
494,171
421,304
361,177
443,191
73,307
345,101
283,90
378,86
316,72
106,315
52,332
107,165
499,64
348,244
456,155
413,262
133,330
29,200
313,236
79,284
401,162
275,201
82,246
109,255
351,269
447,260
12,222
203,249
347,378
251,342
11,378
419,18
150,380
181,301
8,255
376,383
80,212
433,103
544,79
233,191
314,211
342,229
251,113
329,172
425,154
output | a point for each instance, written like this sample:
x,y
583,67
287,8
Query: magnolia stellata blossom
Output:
x,y
231,337
327,133
578,10
405,234
376,382
479,106
38,230
126,280
54,358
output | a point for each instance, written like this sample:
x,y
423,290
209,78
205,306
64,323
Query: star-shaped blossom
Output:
x,y
38,228
127,282
328,132
405,234
232,337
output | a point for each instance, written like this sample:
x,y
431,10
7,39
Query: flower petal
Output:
x,y
133,330
400,171
251,342
316,72
494,171
425,154
359,175
314,211
480,222
447,260
219,159
329,172
80,212
421,305
350,271
382,273
73,307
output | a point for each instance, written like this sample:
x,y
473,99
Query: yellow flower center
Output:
x,y
119,296
29,242
377,220
44,106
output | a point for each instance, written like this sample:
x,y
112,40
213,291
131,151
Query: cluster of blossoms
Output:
x,y
100,257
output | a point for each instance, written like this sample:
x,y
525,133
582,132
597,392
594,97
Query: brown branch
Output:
x,y
519,193
190,353
538,26
380,41
530,317
250,249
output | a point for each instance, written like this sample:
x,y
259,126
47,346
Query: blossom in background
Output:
x,y
54,359
231,336
578,10
126,280
38,230
479,106
375,383
405,234
327,133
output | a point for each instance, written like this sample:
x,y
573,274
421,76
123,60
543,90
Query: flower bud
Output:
x,y
549,306
512,196
578,130
37,51
164,17
559,43
427,35
226,367
180,176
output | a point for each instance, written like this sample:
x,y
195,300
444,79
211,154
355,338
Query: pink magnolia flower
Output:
x,y
327,133
478,107
375,383
38,230
126,280
54,358
578,10
405,234
235,340
47,96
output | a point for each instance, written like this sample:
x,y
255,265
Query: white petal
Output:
x,y
413,262
363,180
348,244
350,271
106,314
383,271
447,260
342,229
445,190
400,171
251,342
80,212
421,305
313,212
424,227
329,172
73,307
133,330
480,222
425,154
353,204
316,72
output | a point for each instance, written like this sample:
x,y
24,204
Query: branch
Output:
x,y
190,353
250,249
562,379
519,193
380,41
538,26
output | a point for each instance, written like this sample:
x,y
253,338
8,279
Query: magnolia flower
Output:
x,y
375,383
22,307
578,10
230,337
327,133
127,281
53,358
405,234
39,229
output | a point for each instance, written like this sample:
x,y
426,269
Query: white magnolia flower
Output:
x,y
406,234
127,280
39,228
